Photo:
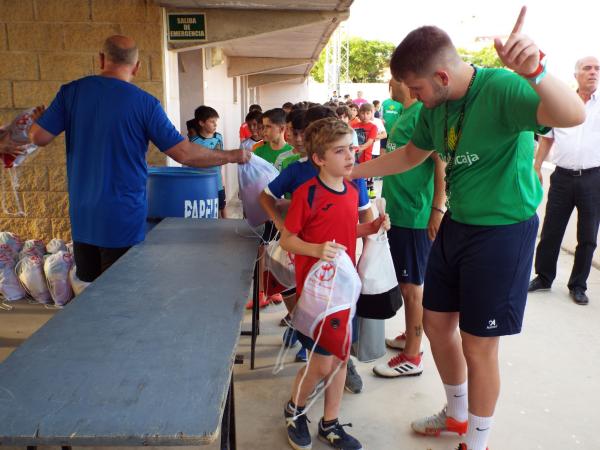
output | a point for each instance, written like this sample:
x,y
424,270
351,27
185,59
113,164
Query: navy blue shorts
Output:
x,y
482,272
269,233
410,250
308,343
222,202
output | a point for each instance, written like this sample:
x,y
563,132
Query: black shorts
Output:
x,y
92,260
222,202
269,233
410,249
483,273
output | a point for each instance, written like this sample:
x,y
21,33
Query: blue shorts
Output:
x,y
410,250
222,202
308,343
483,273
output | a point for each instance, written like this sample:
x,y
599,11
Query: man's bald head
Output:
x,y
120,50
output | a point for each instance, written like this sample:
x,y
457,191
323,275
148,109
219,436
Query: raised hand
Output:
x,y
519,52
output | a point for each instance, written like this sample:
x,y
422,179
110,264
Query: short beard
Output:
x,y
440,93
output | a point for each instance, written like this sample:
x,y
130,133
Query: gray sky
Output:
x,y
565,30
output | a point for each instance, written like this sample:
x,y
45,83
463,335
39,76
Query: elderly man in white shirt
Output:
x,y
574,184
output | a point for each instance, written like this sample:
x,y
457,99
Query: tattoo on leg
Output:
x,y
419,330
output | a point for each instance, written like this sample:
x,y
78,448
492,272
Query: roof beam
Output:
x,y
227,25
237,66
266,78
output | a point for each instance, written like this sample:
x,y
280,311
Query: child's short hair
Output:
x,y
203,113
353,106
253,115
376,102
343,111
298,119
191,125
275,115
318,112
366,107
287,105
254,107
323,132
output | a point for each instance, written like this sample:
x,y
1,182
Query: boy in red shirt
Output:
x,y
323,220
366,131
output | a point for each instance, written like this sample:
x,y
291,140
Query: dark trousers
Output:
x,y
92,260
567,192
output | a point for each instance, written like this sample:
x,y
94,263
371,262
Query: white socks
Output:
x,y
479,432
457,400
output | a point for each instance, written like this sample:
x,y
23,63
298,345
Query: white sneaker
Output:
x,y
439,423
400,366
399,342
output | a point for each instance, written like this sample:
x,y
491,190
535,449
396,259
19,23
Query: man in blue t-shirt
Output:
x,y
108,123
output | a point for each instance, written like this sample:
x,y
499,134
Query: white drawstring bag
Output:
x,y
56,269
7,251
380,295
77,285
10,288
56,245
33,247
327,305
12,240
280,272
253,178
30,271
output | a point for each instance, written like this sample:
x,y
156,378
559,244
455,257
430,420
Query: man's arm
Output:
x,y
193,155
439,196
398,161
39,136
545,144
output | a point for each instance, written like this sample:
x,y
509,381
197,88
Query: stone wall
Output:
x,y
43,44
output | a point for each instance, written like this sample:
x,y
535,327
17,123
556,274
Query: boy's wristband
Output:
x,y
440,210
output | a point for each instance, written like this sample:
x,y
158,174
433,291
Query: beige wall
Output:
x,y
43,44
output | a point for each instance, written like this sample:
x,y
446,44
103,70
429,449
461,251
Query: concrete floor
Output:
x,y
549,395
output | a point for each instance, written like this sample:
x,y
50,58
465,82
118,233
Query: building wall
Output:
x,y
44,44
276,94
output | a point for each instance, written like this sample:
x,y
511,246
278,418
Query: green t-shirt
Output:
x,y
267,153
493,181
409,194
390,110
282,157
291,159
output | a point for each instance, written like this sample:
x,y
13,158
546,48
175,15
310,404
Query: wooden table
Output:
x,y
145,355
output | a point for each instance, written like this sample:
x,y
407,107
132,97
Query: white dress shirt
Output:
x,y
579,147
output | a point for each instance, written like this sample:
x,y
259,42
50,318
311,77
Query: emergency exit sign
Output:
x,y
186,27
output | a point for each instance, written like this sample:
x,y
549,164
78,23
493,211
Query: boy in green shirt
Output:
x,y
274,134
481,122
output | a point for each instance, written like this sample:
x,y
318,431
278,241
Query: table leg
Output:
x,y
228,438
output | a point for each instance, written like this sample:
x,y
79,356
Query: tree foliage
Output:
x,y
367,61
486,57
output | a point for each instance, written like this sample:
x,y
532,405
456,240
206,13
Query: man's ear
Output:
x,y
136,68
443,76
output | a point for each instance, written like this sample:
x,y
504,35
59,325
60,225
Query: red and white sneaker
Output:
x,y
399,342
262,301
400,366
463,446
276,299
439,423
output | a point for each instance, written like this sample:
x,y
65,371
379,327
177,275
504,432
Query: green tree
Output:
x,y
367,61
486,57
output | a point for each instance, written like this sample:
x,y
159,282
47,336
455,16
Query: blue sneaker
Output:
x,y
290,337
297,430
301,355
337,438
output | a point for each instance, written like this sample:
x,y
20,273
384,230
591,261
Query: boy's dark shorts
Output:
x,y
269,232
410,249
222,202
483,273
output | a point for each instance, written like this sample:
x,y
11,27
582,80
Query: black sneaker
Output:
x,y
336,436
537,284
297,429
578,296
354,383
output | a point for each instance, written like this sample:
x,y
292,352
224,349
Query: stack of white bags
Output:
x,y
34,269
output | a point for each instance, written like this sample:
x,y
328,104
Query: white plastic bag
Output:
x,y
279,264
8,252
327,304
33,247
12,240
10,288
56,245
77,285
56,269
253,178
30,271
376,267
18,131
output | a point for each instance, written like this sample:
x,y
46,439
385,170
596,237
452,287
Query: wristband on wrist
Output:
x,y
539,73
440,210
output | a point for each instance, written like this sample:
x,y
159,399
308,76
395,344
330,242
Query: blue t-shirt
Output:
x,y
298,173
107,124
214,143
